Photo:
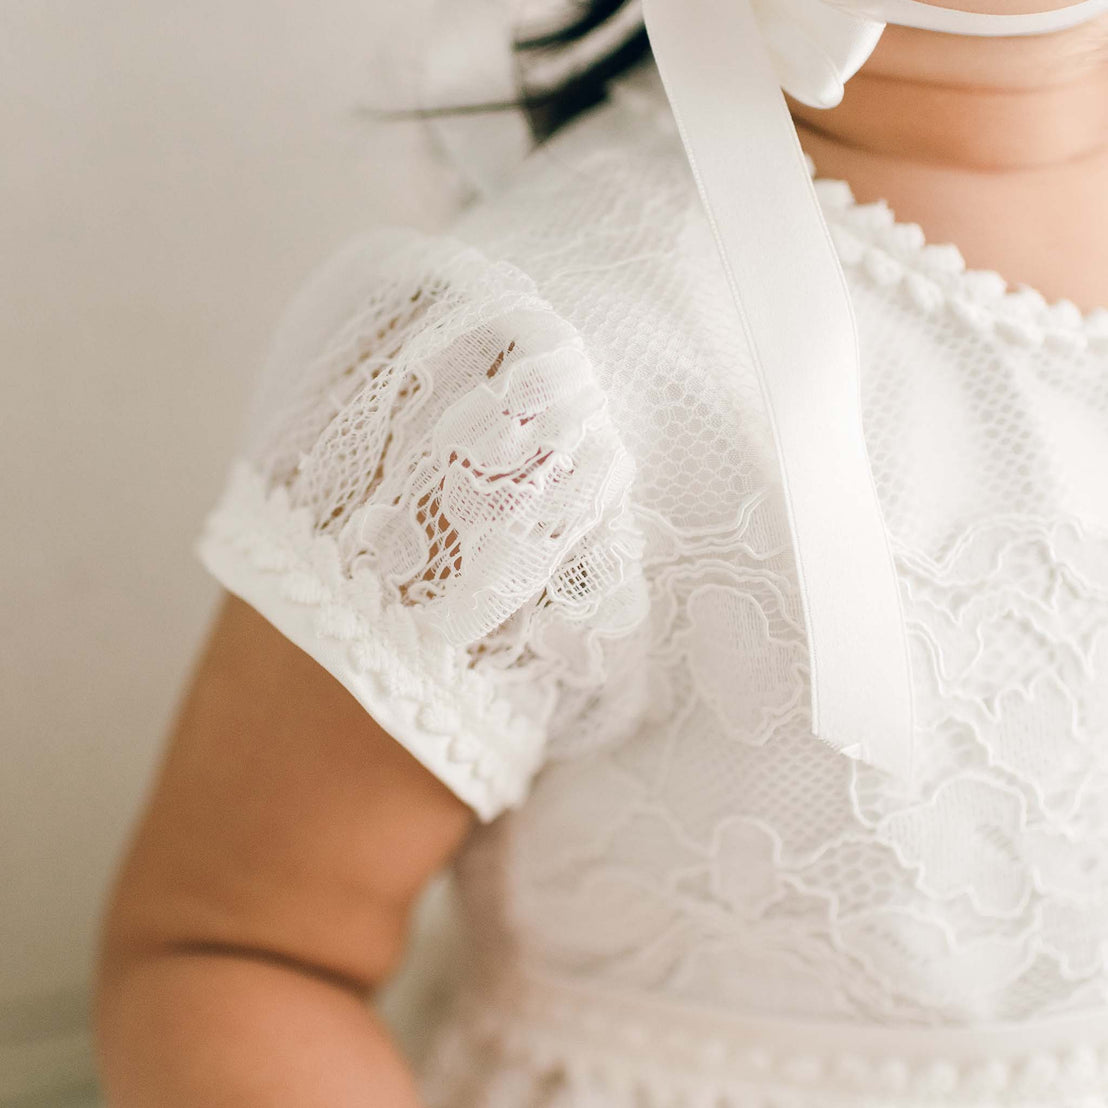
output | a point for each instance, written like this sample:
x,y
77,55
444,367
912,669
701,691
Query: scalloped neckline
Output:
x,y
1015,305
935,273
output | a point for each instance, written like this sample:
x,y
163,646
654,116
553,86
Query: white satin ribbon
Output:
x,y
723,64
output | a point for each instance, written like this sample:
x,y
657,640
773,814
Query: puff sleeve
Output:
x,y
431,500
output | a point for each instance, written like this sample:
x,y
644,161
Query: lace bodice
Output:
x,y
515,488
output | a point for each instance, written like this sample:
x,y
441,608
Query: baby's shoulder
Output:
x,y
606,223
611,188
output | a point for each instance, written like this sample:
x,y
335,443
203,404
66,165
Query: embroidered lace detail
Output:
x,y
935,277
870,240
555,1047
452,441
717,854
727,858
453,720
437,479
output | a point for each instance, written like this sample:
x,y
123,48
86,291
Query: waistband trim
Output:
x,y
631,1043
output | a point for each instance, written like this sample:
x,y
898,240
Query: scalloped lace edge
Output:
x,y
935,275
445,714
642,1051
870,238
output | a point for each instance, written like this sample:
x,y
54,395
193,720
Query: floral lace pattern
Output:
x,y
718,854
434,483
598,536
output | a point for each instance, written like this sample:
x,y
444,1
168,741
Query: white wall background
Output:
x,y
169,172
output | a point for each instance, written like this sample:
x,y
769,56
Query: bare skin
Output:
x,y
268,887
267,892
997,144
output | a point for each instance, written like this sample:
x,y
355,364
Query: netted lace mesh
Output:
x,y
429,468
451,417
718,852
687,836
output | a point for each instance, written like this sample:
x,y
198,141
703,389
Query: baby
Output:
x,y
510,590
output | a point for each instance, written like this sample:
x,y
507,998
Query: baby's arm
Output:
x,y
267,893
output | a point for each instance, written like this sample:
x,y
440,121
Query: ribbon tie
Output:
x,y
723,64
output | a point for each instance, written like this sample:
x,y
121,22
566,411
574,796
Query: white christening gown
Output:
x,y
515,488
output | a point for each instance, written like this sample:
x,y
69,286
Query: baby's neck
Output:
x,y
1012,166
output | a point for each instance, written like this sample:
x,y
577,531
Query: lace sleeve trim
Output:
x,y
419,689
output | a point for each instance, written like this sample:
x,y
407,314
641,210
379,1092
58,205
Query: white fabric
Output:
x,y
516,486
790,295
433,503
792,300
723,64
